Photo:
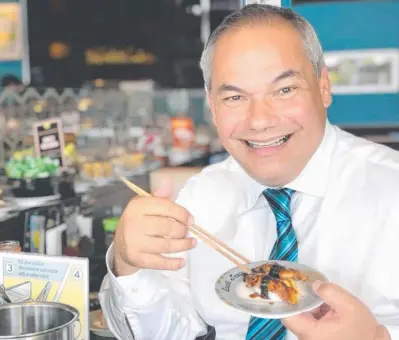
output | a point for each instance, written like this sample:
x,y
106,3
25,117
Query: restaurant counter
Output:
x,y
102,199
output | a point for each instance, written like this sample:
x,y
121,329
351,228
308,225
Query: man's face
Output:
x,y
268,105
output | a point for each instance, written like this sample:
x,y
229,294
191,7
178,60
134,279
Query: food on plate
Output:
x,y
274,278
279,272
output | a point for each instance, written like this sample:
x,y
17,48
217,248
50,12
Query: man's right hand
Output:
x,y
148,228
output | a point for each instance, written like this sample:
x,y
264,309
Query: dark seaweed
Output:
x,y
264,291
275,271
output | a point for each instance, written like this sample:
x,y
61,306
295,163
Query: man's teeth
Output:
x,y
275,142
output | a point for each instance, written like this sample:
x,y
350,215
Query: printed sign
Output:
x,y
363,71
11,45
14,47
49,139
31,277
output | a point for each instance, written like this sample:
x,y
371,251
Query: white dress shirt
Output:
x,y
346,217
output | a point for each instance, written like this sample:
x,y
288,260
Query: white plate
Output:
x,y
231,289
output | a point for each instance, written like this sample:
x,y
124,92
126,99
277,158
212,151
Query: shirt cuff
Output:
x,y
134,291
393,331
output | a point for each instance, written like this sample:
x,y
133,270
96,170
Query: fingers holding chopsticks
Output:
x,y
160,262
155,206
162,245
149,228
165,192
165,227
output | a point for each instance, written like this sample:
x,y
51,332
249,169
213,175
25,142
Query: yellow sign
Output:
x,y
27,277
114,56
10,32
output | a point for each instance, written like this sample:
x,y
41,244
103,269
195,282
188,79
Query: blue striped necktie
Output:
x,y
285,248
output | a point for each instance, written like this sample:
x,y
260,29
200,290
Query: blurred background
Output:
x,y
156,44
95,89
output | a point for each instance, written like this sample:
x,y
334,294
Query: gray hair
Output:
x,y
253,14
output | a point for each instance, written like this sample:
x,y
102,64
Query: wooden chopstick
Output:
x,y
142,192
201,233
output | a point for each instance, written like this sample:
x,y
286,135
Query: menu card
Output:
x,y
49,139
32,277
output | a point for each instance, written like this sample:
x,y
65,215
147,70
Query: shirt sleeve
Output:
x,y
393,331
150,304
388,310
388,313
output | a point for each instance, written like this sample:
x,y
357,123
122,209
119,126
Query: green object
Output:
x,y
32,168
110,224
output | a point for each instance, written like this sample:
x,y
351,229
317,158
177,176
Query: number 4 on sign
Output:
x,y
77,275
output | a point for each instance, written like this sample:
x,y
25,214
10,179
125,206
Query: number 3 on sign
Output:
x,y
9,268
77,275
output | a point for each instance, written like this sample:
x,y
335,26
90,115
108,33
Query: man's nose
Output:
x,y
261,115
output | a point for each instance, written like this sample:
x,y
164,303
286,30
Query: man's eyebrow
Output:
x,y
286,74
228,87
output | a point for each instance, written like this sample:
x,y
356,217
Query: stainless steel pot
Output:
x,y
37,321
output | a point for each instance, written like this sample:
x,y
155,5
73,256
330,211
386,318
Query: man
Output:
x,y
269,91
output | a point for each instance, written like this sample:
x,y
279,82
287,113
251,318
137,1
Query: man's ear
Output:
x,y
325,87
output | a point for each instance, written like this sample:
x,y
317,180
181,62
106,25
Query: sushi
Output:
x,y
276,279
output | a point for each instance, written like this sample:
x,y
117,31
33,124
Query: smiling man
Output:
x,y
268,100
295,188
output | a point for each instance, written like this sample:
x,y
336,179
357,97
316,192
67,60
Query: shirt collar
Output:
x,y
312,180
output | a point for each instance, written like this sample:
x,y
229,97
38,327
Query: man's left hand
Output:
x,y
342,317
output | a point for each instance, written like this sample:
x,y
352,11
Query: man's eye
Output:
x,y
234,98
287,90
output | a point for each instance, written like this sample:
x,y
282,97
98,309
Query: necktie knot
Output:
x,y
280,201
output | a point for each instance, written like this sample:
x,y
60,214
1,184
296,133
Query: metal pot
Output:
x,y
37,321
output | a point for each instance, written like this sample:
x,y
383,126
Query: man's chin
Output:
x,y
266,173
270,179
